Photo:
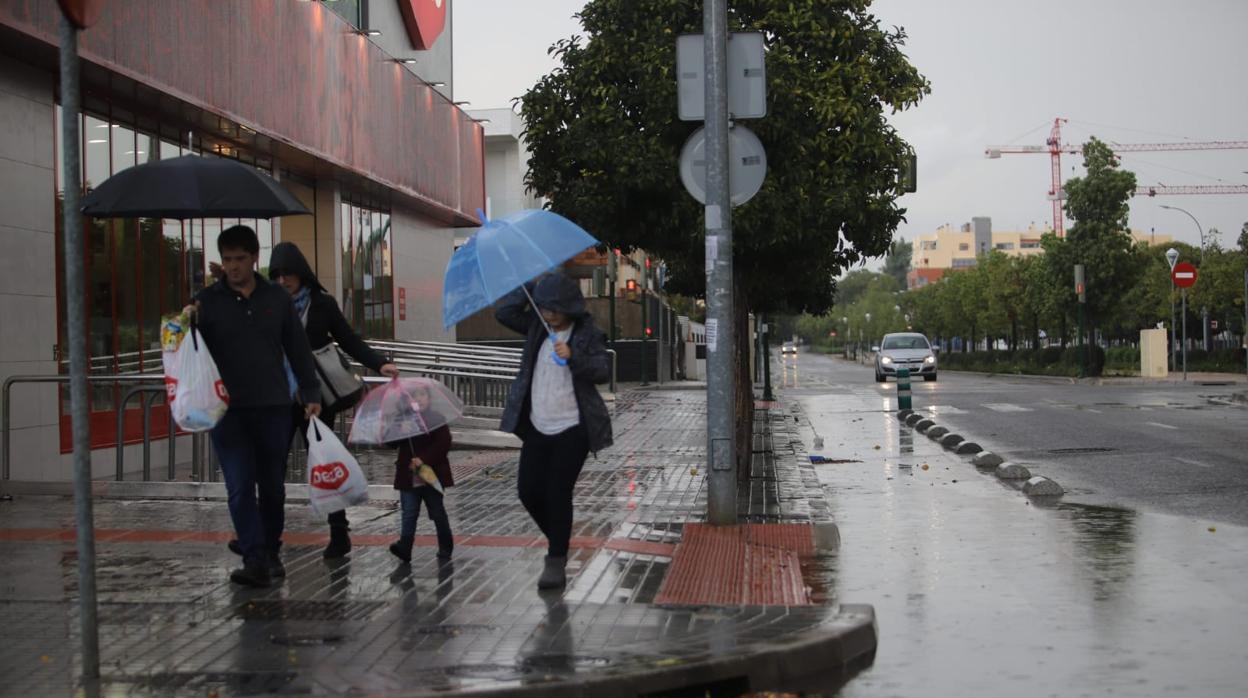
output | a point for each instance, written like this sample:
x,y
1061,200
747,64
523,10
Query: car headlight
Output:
x,y
930,360
885,360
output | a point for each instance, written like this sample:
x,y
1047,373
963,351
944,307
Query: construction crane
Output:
x,y
1055,148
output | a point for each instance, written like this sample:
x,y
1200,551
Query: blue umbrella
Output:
x,y
504,254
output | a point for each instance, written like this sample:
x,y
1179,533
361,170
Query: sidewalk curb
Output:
x,y
825,658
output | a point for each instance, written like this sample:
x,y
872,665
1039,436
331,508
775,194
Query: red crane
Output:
x,y
1054,147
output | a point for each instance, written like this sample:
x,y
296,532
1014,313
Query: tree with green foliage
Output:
x,y
1099,204
605,144
897,261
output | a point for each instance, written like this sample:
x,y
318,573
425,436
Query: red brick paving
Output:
x,y
749,564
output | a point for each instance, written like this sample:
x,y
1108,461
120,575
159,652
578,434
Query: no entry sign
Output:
x,y
1184,274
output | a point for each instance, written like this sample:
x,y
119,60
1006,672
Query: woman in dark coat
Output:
x,y
554,407
324,323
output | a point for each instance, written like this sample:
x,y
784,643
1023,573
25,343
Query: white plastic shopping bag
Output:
x,y
335,480
198,396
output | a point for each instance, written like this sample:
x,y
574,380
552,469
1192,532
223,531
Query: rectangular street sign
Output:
x,y
747,77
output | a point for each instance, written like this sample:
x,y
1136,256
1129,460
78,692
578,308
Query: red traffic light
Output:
x,y
631,284
647,262
649,332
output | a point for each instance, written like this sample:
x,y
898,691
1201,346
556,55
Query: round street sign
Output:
x,y
1184,274
747,165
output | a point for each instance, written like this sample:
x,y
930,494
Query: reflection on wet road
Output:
x,y
979,592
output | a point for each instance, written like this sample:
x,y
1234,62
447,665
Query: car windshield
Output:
x,y
905,343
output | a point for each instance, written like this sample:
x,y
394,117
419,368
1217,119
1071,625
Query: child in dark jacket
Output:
x,y
421,462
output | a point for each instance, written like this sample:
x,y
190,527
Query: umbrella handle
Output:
x,y
559,360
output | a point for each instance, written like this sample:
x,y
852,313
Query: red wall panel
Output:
x,y
296,72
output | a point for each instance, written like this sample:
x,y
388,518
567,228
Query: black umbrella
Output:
x,y
191,187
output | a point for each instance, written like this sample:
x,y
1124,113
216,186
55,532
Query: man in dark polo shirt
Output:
x,y
252,331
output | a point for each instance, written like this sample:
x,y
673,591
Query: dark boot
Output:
x,y
553,575
339,542
402,548
276,568
252,574
235,547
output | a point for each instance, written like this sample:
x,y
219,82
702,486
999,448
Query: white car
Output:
x,y
788,348
904,350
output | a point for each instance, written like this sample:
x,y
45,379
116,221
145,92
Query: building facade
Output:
x,y
934,254
329,98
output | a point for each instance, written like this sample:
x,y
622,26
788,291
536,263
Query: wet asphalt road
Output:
x,y
978,591
1177,449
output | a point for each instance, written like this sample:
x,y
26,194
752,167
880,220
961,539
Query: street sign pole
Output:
x,y
1082,298
720,388
76,323
1185,334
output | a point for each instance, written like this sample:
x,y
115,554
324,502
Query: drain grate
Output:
x,y
305,609
453,630
564,662
235,682
306,640
1089,449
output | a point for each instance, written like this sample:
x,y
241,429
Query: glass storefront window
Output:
x,y
367,272
136,270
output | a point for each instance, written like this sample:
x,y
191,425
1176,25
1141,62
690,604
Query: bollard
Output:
x,y
903,389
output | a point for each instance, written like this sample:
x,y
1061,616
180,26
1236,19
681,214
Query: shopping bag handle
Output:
x,y
194,335
316,431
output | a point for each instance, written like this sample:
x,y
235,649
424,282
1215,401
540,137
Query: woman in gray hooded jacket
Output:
x,y
554,407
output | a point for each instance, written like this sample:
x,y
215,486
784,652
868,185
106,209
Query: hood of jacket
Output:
x,y
286,255
561,294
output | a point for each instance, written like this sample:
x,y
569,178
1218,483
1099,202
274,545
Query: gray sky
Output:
x,y
1126,71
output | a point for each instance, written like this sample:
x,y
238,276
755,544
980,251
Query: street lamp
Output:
x,y
1172,257
1204,309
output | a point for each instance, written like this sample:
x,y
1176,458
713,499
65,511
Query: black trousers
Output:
x,y
549,468
300,427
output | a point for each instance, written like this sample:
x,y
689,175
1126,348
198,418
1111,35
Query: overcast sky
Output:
x,y
1126,71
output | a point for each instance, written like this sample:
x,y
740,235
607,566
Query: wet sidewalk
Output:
x,y
656,600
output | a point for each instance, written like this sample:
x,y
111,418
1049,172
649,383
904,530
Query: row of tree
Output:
x,y
1017,301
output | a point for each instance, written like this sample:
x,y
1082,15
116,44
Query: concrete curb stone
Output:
x,y
1040,486
987,459
923,425
913,419
1012,471
951,441
936,432
968,447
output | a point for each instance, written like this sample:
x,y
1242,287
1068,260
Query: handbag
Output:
x,y
341,387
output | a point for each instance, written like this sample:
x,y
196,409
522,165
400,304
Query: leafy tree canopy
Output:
x,y
605,142
897,261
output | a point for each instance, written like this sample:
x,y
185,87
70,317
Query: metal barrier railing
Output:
x,y
482,383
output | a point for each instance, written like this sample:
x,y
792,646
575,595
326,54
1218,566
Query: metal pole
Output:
x,y
720,376
767,394
1245,332
76,321
645,338
611,272
1083,369
1172,327
1185,334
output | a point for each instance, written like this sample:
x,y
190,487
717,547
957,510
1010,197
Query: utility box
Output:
x,y
1153,357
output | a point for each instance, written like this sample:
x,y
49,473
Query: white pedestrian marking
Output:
x,y
1159,424
1006,407
1189,461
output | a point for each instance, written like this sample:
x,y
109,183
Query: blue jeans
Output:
x,y
252,444
410,501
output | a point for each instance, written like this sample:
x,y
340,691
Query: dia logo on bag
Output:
x,y
328,476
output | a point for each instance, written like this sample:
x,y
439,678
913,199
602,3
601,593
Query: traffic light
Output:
x,y
630,285
649,333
